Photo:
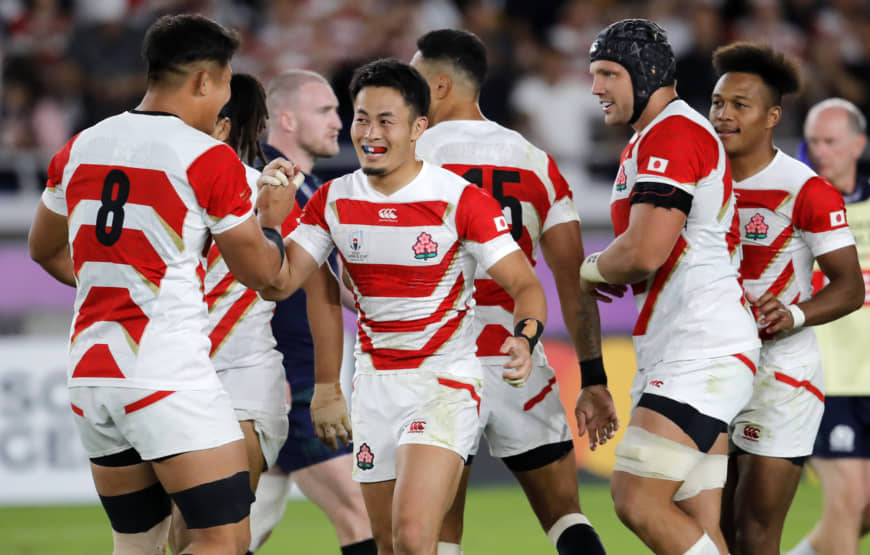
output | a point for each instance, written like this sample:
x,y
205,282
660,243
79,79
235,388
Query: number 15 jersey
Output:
x,y
532,193
141,192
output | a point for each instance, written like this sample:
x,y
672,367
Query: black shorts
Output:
x,y
845,429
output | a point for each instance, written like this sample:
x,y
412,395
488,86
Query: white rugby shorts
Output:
x,y
390,409
155,423
718,387
784,414
516,420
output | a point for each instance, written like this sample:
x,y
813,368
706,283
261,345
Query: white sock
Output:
x,y
703,546
269,506
565,521
803,548
446,548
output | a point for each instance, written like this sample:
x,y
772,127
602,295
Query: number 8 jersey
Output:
x,y
141,191
524,179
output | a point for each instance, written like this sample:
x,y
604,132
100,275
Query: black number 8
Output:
x,y
113,206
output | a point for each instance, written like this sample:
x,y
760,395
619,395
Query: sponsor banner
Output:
x,y
41,458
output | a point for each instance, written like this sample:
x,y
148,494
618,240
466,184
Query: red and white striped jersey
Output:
x,y
527,183
788,217
692,307
239,320
411,257
141,192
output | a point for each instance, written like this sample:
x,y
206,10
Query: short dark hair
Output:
x,y
175,40
391,73
247,113
461,48
778,72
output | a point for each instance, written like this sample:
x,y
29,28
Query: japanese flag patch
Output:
x,y
838,218
657,164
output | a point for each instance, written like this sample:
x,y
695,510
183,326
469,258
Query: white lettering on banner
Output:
x,y
42,460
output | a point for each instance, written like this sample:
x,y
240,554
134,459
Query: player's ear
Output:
x,y
443,87
287,121
222,129
201,83
774,113
418,126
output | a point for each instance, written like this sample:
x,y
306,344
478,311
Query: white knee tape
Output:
x,y
651,456
704,546
564,522
710,473
446,548
152,542
268,507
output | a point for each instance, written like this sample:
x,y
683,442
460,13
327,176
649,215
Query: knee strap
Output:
x,y
651,456
224,501
710,473
140,511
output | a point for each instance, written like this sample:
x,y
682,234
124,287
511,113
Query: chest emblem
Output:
x,y
756,228
425,247
621,180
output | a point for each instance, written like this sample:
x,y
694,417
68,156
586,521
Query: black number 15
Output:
x,y
499,178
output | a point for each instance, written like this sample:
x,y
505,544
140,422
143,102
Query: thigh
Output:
x,y
253,451
329,484
378,497
759,497
426,484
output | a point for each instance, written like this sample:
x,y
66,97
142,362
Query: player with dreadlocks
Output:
x,y
243,349
674,215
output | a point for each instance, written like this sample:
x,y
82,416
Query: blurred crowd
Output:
x,y
69,63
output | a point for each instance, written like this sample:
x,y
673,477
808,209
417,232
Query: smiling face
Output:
x,y
611,83
742,113
383,132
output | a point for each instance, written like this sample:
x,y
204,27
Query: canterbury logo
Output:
x,y
417,427
751,433
387,213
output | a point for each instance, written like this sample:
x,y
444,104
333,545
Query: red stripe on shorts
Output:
x,y
77,410
147,400
805,384
745,360
462,385
540,396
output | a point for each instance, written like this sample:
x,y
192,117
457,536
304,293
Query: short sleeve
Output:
x,y
820,215
54,195
311,230
482,227
678,152
221,187
563,209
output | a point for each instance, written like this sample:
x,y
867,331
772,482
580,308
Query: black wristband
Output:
x,y
276,238
520,331
592,372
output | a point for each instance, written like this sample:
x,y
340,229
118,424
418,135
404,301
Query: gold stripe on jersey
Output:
x,y
179,244
217,302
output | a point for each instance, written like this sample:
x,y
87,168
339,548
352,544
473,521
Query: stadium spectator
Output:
x,y
674,216
303,126
836,134
126,226
411,235
789,217
526,428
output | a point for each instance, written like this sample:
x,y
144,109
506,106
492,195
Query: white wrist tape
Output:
x,y
797,315
589,269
